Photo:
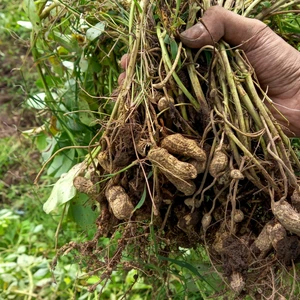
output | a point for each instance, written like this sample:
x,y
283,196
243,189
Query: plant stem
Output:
x,y
168,63
234,93
191,67
251,7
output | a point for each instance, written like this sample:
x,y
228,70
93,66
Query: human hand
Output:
x,y
276,63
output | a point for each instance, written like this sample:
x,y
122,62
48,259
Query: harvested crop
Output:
x,y
104,161
164,103
190,155
218,164
186,186
287,216
178,144
84,185
119,202
238,216
170,165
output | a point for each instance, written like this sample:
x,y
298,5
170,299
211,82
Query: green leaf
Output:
x,y
93,279
31,11
41,273
143,198
211,279
48,151
81,212
63,190
138,6
61,163
37,101
184,264
174,49
95,31
41,141
86,116
267,4
67,41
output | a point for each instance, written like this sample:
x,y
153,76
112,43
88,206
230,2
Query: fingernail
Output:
x,y
194,32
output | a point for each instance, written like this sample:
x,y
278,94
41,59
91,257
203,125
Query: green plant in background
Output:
x,y
25,265
78,71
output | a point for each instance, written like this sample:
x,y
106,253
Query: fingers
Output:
x,y
200,35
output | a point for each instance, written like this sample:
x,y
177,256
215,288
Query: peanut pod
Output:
x,y
164,103
84,185
170,165
198,164
218,164
178,144
187,187
287,216
103,160
119,202
295,198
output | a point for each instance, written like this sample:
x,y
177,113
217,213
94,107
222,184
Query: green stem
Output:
x,y
248,154
270,9
49,98
168,63
130,24
233,146
251,7
191,67
234,94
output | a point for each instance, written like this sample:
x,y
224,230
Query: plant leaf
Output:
x,y
31,11
85,116
95,31
61,163
81,212
63,190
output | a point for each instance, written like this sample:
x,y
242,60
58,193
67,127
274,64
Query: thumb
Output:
x,y
209,31
221,23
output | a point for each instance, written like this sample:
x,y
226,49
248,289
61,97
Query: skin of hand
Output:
x,y
276,63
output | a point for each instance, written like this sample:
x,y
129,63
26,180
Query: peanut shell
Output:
x,y
164,103
206,220
178,144
236,174
103,160
198,164
169,164
187,187
218,164
287,216
296,200
238,216
84,185
119,202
